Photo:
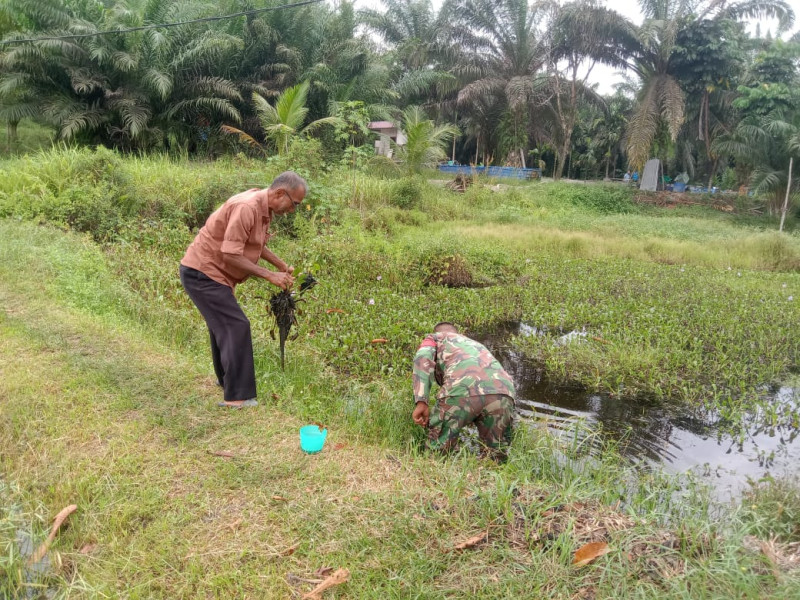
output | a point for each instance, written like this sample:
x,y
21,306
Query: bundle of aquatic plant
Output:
x,y
283,306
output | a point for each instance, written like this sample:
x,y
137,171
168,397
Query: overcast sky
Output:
x,y
604,76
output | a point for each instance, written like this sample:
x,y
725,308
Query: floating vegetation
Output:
x,y
283,306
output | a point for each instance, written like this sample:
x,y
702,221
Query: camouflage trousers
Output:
x,y
493,415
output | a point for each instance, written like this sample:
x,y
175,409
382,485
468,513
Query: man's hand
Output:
x,y
282,280
289,269
421,414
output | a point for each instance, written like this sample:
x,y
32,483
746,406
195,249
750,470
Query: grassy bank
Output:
x,y
178,500
694,306
108,403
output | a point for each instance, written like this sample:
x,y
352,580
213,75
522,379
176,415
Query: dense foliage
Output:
x,y
511,78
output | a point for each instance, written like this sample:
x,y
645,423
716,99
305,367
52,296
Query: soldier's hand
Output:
x,y
421,414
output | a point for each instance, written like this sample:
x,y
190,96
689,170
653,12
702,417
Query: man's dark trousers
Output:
x,y
231,344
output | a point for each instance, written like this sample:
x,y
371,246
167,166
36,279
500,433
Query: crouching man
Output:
x,y
474,388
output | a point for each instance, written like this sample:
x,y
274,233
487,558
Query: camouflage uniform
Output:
x,y
474,388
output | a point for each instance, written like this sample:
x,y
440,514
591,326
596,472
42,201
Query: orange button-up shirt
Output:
x,y
240,226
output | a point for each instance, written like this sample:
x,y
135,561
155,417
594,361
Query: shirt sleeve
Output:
x,y
240,223
424,364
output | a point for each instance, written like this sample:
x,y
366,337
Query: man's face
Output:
x,y
286,201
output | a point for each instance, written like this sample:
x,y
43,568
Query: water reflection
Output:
x,y
675,436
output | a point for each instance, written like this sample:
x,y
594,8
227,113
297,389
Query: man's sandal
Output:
x,y
246,404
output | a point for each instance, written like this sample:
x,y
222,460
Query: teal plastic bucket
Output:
x,y
312,438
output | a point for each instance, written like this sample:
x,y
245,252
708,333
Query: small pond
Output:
x,y
648,432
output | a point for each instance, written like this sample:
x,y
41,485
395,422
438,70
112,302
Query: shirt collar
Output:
x,y
263,205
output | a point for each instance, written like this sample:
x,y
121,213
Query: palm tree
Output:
x,y
583,34
422,53
506,54
283,121
140,90
660,102
426,143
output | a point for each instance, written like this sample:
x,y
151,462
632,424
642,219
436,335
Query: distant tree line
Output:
x,y
510,79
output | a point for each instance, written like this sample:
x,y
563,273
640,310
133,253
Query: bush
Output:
x,y
387,219
450,271
406,193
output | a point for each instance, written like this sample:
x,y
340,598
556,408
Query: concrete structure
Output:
x,y
388,132
650,179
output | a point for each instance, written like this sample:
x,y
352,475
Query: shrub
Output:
x,y
406,193
450,271
388,218
604,199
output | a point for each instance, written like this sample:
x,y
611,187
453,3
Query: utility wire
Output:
x,y
161,25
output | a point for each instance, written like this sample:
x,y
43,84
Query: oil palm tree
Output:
x,y
506,52
426,143
660,102
582,35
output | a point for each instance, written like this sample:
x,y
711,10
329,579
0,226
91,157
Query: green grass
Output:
x,y
30,138
111,404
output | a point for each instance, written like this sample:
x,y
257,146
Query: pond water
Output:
x,y
653,433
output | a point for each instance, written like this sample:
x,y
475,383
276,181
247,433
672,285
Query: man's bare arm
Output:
x,y
281,279
272,258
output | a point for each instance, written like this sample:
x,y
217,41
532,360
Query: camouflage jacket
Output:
x,y
462,367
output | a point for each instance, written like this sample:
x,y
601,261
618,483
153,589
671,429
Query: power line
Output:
x,y
160,25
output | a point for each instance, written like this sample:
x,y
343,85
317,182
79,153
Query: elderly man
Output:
x,y
225,252
474,388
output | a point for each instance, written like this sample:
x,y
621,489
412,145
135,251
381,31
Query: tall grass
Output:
x,y
105,362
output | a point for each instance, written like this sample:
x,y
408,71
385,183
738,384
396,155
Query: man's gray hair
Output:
x,y
289,180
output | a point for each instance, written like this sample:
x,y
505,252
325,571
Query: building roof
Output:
x,y
382,125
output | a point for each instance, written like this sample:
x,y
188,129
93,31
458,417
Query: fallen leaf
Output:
x,y
473,541
290,550
280,499
323,571
339,445
87,548
379,341
338,577
57,522
235,525
335,310
275,396
223,453
356,498
586,554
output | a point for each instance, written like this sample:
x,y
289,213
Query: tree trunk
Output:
x,y
453,155
713,171
608,161
788,189
522,157
11,138
477,147
564,152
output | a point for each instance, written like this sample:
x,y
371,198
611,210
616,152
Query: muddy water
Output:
x,y
649,432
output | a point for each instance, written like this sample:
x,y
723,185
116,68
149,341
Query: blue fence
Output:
x,y
512,172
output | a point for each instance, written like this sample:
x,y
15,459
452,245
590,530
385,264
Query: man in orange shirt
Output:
x,y
225,252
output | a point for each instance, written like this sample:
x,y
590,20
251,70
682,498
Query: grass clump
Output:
x,y
772,509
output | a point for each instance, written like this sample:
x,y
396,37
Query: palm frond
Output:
x,y
643,125
218,107
762,9
158,81
481,89
243,137
672,104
